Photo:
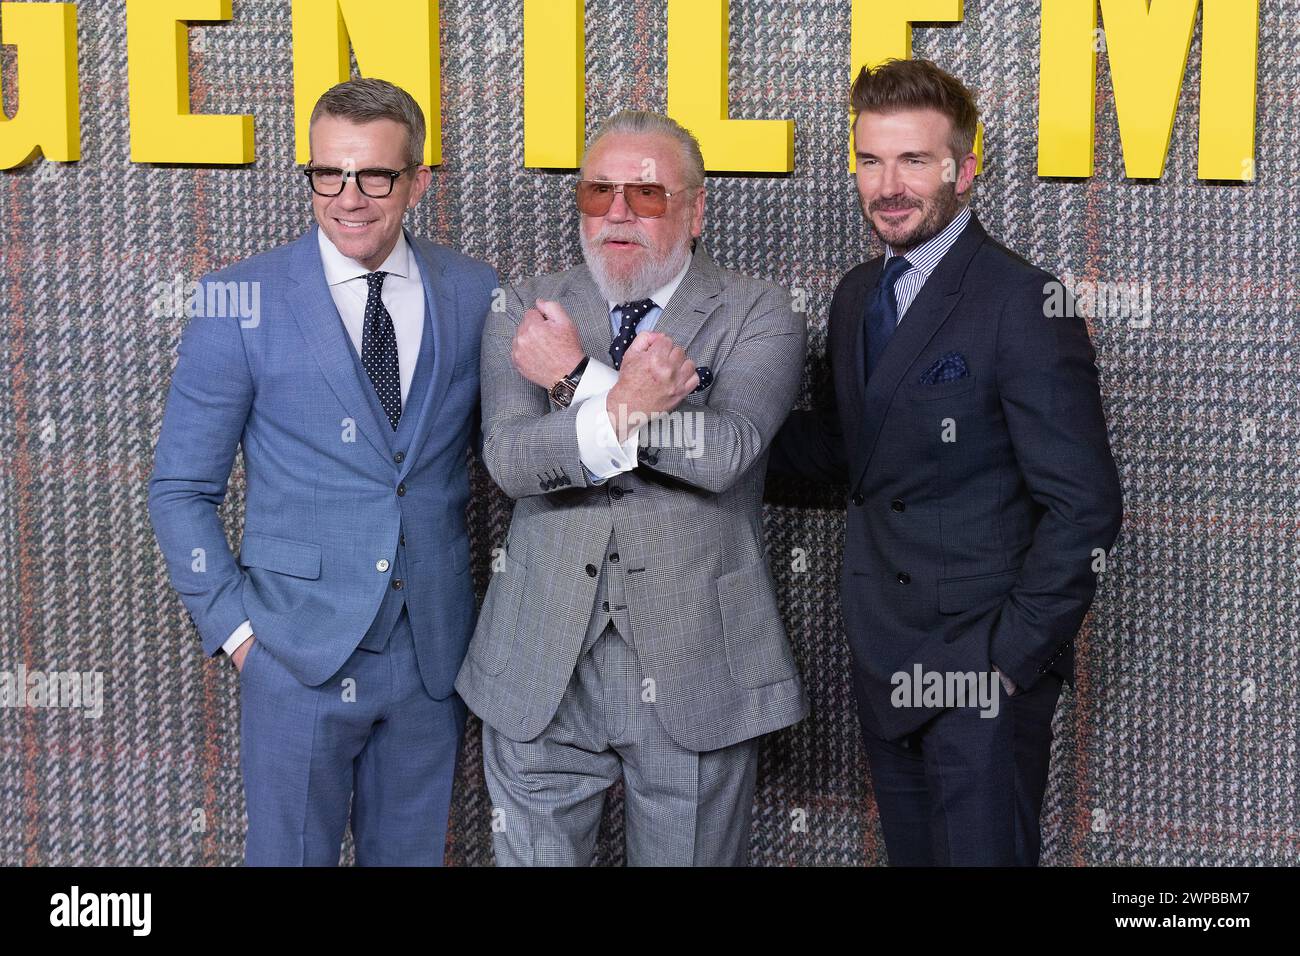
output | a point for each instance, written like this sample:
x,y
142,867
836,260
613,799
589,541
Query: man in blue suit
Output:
x,y
352,386
982,496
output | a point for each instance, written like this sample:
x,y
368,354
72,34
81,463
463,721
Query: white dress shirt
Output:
x,y
598,446
402,295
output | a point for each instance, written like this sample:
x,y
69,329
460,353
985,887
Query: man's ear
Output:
x,y
697,213
423,178
966,173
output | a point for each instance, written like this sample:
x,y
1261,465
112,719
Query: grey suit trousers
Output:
x,y
683,808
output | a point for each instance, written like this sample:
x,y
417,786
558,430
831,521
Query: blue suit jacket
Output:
x,y
323,509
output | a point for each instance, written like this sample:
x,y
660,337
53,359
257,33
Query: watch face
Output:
x,y
562,393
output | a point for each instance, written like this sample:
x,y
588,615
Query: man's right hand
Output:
x,y
654,377
240,653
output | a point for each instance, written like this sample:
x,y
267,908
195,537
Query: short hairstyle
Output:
x,y
366,100
916,85
639,123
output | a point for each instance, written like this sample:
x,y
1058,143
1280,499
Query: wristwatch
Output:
x,y
563,390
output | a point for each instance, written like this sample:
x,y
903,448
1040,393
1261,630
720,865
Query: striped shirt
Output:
x,y
924,259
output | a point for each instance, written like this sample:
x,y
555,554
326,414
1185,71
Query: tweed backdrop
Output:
x,y
1178,745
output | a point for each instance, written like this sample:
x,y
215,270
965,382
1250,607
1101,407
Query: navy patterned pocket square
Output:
x,y
947,368
706,378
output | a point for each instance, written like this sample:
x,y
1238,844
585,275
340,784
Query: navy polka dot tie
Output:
x,y
632,313
379,350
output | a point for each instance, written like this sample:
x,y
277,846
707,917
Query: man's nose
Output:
x,y
619,211
891,184
351,197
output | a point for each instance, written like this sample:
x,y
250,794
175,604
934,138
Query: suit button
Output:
x,y
613,558
897,505
616,492
399,457
401,539
904,577
381,564
857,498
591,571
397,584
604,605
401,489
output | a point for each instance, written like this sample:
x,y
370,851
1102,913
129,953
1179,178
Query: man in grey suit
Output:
x,y
631,628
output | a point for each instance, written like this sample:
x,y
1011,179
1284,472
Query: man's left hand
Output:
x,y
546,346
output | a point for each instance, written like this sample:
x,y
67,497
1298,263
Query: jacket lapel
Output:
x,y
694,300
858,310
931,308
441,307
322,328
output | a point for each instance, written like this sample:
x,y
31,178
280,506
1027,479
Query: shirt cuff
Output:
x,y
597,379
598,446
1007,683
241,634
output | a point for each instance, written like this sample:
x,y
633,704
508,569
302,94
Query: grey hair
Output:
x,y
639,123
368,99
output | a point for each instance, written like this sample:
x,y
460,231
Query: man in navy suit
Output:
x,y
982,497
353,389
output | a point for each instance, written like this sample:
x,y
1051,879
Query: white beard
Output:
x,y
650,275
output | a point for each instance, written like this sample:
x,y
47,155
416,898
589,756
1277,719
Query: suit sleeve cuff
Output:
x,y
241,634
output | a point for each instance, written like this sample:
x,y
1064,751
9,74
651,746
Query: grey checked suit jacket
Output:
x,y
701,603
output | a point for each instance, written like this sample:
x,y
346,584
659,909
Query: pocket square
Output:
x,y
706,378
947,368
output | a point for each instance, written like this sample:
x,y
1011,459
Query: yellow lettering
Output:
x,y
158,73
1147,48
1229,52
395,41
1148,57
48,119
555,92
698,31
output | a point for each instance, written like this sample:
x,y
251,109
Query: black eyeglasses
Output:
x,y
375,183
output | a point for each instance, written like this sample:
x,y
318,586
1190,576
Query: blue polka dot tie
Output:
x,y
632,313
379,350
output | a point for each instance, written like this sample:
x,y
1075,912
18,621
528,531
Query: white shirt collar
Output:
x,y
661,295
339,268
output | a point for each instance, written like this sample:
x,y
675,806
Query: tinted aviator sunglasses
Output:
x,y
647,200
